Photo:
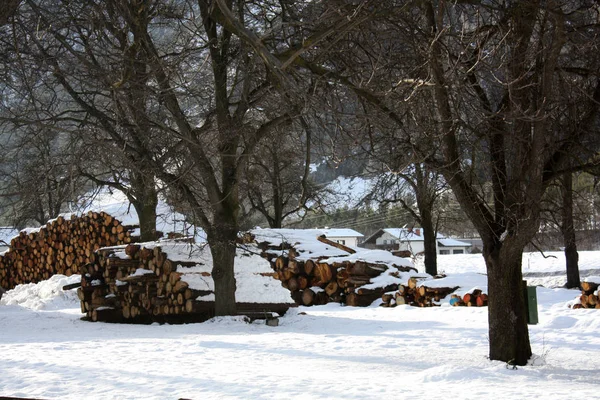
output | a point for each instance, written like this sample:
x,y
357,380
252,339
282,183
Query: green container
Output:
x,y
530,294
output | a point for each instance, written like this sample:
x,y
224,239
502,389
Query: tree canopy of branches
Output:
x,y
513,94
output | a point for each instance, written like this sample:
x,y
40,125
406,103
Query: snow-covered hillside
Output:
x,y
319,352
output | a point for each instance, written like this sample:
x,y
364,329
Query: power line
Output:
x,y
352,222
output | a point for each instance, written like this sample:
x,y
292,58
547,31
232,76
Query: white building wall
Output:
x,y
450,250
384,239
414,247
346,241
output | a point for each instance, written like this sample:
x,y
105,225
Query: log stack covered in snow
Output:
x,y
171,282
590,295
62,246
318,271
417,295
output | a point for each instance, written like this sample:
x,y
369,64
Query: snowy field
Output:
x,y
320,352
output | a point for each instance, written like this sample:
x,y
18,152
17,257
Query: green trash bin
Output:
x,y
530,294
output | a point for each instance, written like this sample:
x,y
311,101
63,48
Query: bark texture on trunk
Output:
x,y
222,241
568,232
429,243
507,313
145,200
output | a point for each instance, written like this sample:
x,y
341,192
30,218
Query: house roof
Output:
x,y
448,242
416,235
405,234
341,232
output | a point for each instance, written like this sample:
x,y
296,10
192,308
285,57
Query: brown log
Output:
x,y
363,268
292,284
281,262
331,288
308,297
589,287
309,266
323,272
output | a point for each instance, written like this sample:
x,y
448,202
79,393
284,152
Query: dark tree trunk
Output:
x,y
145,200
568,232
223,248
507,314
425,196
146,211
429,242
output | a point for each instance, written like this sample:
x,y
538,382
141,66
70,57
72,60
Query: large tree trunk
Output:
x,y
145,200
507,314
222,241
429,242
146,211
568,232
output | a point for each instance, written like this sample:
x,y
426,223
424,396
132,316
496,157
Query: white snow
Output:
x,y
142,271
323,352
116,204
303,240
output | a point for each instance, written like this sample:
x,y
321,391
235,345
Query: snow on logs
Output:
x,y
317,271
62,246
416,295
590,295
171,282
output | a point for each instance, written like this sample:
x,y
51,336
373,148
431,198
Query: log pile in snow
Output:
x,y
590,295
62,246
417,295
317,271
171,282
473,298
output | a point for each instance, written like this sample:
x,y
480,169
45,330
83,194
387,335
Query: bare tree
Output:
x,y
278,183
173,94
500,77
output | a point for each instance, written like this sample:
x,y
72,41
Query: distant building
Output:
x,y
412,240
345,236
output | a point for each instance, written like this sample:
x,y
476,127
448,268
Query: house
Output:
x,y
412,240
452,246
345,236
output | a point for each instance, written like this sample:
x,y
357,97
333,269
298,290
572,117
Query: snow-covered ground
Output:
x,y
319,352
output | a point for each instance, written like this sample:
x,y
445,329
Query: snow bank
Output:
x,y
45,295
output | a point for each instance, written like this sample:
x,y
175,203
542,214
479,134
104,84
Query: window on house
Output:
x,y
341,241
444,251
458,251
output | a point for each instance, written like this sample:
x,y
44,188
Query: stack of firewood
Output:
x,y
137,283
316,282
140,284
590,296
59,247
474,298
416,295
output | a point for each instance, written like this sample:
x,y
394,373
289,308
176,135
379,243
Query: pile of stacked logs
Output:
x,y
138,284
474,298
590,296
316,282
59,247
416,295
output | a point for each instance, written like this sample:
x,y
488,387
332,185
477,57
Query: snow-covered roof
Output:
x,y
448,242
405,234
341,232
416,235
